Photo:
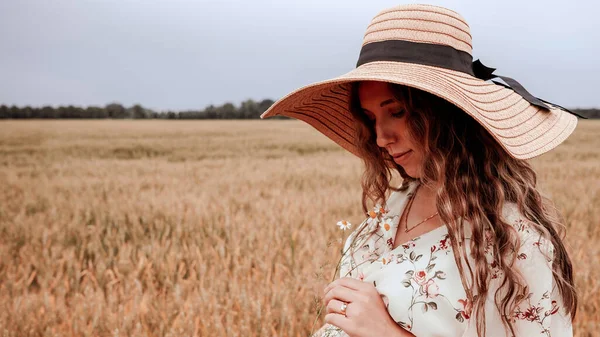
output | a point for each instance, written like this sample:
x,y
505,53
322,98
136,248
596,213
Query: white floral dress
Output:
x,y
420,283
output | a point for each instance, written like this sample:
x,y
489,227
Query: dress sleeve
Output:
x,y
541,313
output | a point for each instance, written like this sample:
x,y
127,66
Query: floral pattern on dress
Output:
x,y
533,316
421,287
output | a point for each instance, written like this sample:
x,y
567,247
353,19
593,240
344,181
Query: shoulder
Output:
x,y
514,223
532,250
533,240
537,312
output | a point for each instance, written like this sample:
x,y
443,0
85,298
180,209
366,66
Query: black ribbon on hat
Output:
x,y
444,56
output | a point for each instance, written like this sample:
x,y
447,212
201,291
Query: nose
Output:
x,y
385,136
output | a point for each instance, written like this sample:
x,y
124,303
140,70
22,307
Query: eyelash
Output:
x,y
398,114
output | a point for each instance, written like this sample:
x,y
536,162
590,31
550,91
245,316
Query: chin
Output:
x,y
408,171
411,172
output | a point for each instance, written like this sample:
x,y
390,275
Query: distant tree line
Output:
x,y
589,113
248,109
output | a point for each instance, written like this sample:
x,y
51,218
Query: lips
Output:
x,y
399,155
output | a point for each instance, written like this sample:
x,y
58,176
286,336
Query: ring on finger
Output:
x,y
343,308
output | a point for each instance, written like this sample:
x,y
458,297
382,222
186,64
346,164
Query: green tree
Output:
x,y
265,104
48,112
95,112
249,109
4,111
116,110
138,112
227,110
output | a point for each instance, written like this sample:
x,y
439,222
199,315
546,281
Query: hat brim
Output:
x,y
524,130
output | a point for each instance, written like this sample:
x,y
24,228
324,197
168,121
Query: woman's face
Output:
x,y
389,118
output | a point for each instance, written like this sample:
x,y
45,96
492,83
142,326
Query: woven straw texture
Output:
x,y
524,130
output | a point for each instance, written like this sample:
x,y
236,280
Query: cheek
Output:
x,y
418,158
400,130
414,145
404,134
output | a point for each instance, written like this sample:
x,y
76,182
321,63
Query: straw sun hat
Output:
x,y
429,48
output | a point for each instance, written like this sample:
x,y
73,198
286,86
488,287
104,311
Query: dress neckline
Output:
x,y
398,210
428,233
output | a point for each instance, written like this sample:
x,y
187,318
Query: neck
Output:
x,y
429,190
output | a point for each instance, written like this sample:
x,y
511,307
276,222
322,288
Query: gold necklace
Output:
x,y
412,198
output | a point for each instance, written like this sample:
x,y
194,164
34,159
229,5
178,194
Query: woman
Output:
x,y
466,246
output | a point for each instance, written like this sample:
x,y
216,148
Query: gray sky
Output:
x,y
178,54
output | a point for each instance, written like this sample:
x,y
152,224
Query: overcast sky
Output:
x,y
184,54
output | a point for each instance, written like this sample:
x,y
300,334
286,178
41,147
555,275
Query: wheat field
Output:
x,y
208,228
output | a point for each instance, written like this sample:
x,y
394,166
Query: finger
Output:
x,y
348,282
335,306
340,294
338,320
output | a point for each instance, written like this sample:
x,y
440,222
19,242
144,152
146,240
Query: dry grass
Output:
x,y
206,228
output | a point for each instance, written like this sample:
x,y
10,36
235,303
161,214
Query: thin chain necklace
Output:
x,y
412,198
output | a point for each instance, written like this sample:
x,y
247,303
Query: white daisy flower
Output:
x,y
386,226
343,224
380,210
372,219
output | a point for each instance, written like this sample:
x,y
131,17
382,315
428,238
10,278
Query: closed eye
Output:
x,y
399,113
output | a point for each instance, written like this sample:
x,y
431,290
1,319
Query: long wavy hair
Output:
x,y
476,177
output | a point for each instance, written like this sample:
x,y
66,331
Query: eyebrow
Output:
x,y
382,104
386,102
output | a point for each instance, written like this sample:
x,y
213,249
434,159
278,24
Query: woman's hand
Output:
x,y
366,313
